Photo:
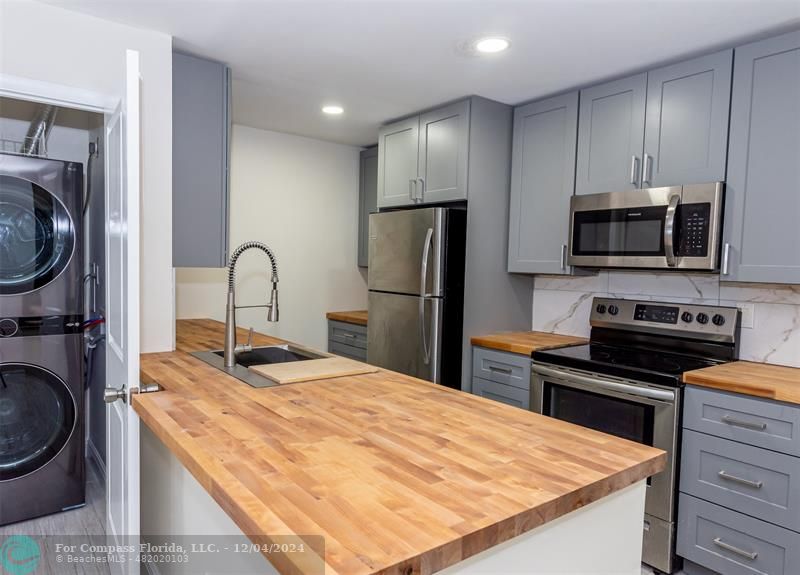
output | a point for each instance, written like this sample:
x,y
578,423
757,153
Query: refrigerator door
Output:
x,y
404,334
406,251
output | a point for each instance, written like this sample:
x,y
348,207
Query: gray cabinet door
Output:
x,y
367,200
200,160
398,151
443,153
686,134
762,203
542,181
611,136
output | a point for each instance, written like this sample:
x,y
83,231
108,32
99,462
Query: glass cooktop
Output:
x,y
631,363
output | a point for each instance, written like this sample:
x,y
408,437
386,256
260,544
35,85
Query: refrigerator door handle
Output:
x,y
423,285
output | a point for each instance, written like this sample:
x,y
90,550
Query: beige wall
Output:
x,y
300,197
49,44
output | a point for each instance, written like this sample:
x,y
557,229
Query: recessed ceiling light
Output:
x,y
492,45
333,110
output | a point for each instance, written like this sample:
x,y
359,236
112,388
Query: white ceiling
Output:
x,y
382,59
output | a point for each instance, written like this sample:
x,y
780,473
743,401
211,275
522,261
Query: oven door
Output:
x,y
634,411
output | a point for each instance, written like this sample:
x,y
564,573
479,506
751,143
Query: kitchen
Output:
x,y
535,226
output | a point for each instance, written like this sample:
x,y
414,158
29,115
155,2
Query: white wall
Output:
x,y
563,305
300,197
49,44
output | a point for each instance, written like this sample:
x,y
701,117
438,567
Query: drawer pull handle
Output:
x,y
746,424
350,335
751,555
504,370
750,483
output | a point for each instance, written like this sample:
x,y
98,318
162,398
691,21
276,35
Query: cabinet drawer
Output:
x,y
501,392
733,543
345,350
348,334
749,479
507,368
760,422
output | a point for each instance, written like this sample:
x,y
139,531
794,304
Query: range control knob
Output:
x,y
687,316
600,308
702,318
8,327
613,310
718,319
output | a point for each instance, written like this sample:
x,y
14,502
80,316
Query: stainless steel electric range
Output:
x,y
627,381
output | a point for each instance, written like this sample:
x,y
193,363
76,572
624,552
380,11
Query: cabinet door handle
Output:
x,y
647,167
726,254
563,256
504,370
412,184
421,196
634,170
749,482
751,555
758,426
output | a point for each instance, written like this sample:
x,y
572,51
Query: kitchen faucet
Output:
x,y
231,348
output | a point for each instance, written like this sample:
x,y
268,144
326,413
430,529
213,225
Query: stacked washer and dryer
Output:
x,y
42,467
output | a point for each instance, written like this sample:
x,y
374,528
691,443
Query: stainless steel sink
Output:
x,y
265,355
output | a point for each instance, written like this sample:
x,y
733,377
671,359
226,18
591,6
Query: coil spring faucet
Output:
x,y
231,348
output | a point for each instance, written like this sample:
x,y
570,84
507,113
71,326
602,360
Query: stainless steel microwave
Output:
x,y
677,227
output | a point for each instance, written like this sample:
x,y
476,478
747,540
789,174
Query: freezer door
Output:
x,y
404,334
405,250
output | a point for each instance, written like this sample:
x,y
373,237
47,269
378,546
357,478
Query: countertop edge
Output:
x,y
769,386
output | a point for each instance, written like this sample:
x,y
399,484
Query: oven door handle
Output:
x,y
669,230
635,390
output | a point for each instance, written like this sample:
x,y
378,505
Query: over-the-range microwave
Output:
x,y
677,227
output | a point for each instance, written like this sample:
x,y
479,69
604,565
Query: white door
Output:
x,y
122,316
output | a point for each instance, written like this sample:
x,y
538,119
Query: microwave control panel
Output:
x,y
694,221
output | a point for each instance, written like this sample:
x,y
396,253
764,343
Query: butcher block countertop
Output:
x,y
399,475
525,342
358,317
776,382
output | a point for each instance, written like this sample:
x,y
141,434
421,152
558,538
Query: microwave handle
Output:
x,y
669,231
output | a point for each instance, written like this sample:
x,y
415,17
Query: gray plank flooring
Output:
x,y
87,521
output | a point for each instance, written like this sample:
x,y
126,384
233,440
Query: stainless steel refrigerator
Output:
x,y
416,292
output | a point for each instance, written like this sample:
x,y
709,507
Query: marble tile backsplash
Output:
x,y
561,304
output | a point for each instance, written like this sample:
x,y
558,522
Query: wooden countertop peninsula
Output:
x,y
399,475
525,342
358,317
777,382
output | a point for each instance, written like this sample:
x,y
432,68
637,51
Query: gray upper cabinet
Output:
x,y
686,133
443,151
611,135
200,161
762,204
542,181
367,200
398,153
424,159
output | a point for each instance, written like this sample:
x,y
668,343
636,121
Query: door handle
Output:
x,y
421,189
751,555
726,254
423,293
634,170
755,425
669,230
112,394
749,482
412,184
647,167
563,256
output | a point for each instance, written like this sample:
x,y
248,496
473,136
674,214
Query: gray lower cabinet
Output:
x,y
501,376
739,504
542,181
611,135
686,126
201,124
347,339
424,159
762,204
367,200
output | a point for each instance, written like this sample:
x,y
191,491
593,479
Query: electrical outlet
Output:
x,y
748,314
